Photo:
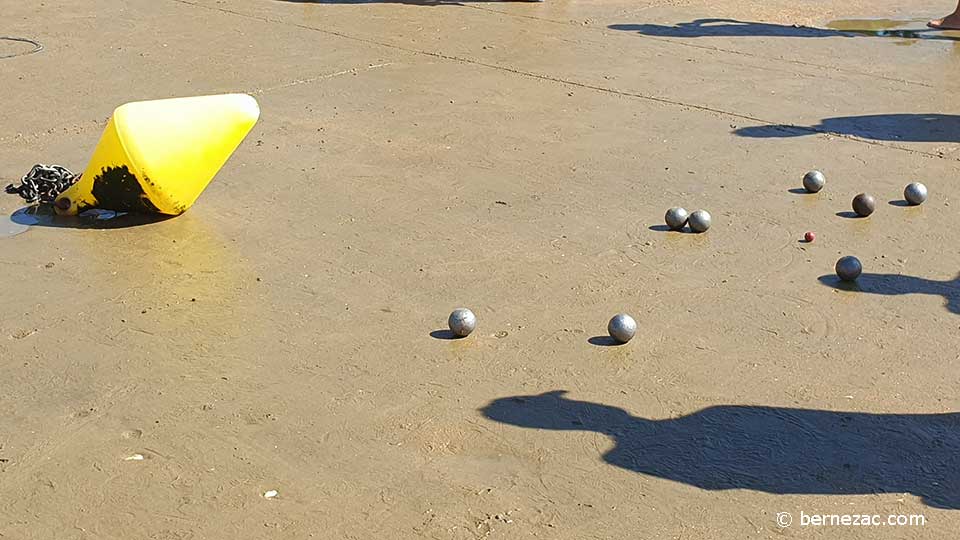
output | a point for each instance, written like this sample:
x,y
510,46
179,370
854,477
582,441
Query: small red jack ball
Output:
x,y
809,236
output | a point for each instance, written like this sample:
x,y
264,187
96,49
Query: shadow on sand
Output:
x,y
769,449
932,127
445,335
897,284
45,216
734,28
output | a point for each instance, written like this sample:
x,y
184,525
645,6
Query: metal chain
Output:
x,y
44,183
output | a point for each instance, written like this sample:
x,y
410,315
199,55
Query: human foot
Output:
x,y
950,22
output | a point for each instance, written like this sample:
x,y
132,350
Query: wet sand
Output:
x,y
515,158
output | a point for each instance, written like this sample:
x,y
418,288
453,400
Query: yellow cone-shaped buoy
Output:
x,y
158,156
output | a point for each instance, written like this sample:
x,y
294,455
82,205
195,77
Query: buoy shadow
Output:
x,y
44,216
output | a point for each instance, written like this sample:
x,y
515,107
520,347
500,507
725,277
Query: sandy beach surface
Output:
x,y
272,363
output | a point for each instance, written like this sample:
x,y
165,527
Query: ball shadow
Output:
x,y
832,280
850,215
445,335
901,203
799,191
604,341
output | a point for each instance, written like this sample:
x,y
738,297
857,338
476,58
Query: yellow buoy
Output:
x,y
158,156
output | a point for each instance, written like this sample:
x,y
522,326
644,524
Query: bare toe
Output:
x,y
951,22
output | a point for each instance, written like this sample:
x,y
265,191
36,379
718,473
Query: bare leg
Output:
x,y
950,22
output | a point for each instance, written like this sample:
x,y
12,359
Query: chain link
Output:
x,y
44,183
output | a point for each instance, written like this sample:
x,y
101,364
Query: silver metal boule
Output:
x,y
814,181
700,221
622,328
849,268
915,193
462,322
676,218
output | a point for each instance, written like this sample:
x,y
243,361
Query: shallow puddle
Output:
x,y
896,28
44,216
9,227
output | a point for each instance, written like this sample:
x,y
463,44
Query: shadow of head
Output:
x,y
552,410
899,284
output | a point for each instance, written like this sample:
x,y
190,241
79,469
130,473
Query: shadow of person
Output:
x,y
896,284
734,28
920,127
725,28
769,449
